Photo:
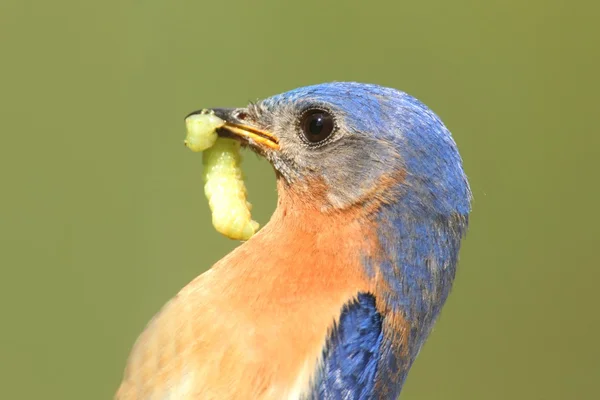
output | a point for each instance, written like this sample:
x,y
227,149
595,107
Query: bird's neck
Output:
x,y
408,257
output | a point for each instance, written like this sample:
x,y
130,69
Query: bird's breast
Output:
x,y
255,325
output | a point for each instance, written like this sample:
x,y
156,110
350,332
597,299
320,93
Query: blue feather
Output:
x,y
351,354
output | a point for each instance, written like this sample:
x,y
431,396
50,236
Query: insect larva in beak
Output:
x,y
224,184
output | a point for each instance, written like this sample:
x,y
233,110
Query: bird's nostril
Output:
x,y
241,115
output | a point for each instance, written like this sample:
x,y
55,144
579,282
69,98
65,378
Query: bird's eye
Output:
x,y
316,125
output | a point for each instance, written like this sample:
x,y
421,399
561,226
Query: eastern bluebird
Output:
x,y
335,296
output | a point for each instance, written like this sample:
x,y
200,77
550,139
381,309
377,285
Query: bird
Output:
x,y
335,296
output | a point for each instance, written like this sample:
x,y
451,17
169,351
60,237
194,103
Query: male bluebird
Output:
x,y
335,296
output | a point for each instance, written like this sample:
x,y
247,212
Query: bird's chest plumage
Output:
x,y
255,325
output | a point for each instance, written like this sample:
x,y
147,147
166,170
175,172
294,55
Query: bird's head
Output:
x,y
349,144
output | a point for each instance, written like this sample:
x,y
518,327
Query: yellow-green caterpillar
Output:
x,y
223,179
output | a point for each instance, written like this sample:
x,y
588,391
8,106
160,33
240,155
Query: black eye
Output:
x,y
316,125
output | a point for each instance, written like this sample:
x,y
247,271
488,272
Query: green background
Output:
x,y
103,218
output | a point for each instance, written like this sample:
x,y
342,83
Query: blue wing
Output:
x,y
352,353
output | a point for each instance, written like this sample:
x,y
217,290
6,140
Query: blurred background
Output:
x,y
103,216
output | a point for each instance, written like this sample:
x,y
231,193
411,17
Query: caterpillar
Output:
x,y
223,178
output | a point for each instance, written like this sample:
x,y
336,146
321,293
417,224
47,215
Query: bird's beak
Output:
x,y
237,129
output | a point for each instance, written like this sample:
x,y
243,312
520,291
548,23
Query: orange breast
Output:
x,y
255,324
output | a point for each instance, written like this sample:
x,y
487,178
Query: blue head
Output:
x,y
353,139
